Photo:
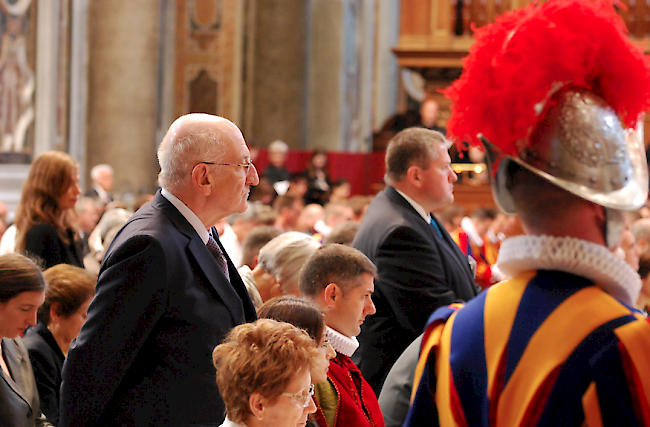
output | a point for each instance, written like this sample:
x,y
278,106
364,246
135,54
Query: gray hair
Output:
x,y
82,204
278,146
177,158
97,170
284,256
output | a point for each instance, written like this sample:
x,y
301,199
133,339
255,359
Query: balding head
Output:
x,y
191,139
202,162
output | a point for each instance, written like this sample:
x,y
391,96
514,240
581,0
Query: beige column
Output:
x,y
122,99
275,85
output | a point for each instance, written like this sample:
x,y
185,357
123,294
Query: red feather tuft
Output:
x,y
520,60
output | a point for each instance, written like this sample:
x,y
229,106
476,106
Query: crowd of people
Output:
x,y
208,304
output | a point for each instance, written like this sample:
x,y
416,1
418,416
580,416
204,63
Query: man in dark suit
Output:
x,y
420,268
167,293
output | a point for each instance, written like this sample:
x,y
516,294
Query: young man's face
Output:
x,y
350,310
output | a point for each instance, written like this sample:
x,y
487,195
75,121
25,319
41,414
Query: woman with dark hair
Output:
x,y
68,294
305,315
22,291
44,215
318,178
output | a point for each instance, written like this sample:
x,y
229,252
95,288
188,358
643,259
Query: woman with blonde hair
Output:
x,y
263,374
44,215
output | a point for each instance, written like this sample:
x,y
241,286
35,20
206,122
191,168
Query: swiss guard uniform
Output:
x,y
556,90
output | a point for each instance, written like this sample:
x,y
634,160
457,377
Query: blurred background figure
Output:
x,y
276,171
308,317
309,217
102,178
359,205
288,209
236,229
68,294
87,218
45,214
335,214
4,220
641,232
22,291
343,234
470,238
451,216
279,265
264,375
429,114
102,236
297,185
258,237
340,191
318,178
644,295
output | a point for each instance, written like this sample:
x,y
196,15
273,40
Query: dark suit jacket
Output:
x,y
47,363
418,271
43,242
144,356
18,395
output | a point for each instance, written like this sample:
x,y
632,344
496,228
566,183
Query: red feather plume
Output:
x,y
518,62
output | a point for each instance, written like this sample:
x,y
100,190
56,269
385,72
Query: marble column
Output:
x,y
275,71
123,42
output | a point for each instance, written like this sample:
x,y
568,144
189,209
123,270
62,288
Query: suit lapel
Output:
x,y
205,260
16,364
237,283
217,279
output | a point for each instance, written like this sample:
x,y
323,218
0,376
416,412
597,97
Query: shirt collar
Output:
x,y
419,209
188,214
341,343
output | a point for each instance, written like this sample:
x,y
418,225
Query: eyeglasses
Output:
x,y
246,166
326,343
302,399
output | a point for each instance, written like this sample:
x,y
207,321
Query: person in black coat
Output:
x,y
67,298
419,266
44,218
167,292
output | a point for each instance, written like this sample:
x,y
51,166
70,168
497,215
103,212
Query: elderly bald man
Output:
x,y
167,292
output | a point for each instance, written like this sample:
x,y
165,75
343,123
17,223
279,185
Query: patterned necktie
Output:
x,y
218,255
435,226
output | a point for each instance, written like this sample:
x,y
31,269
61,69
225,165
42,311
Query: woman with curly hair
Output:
x,y
44,215
263,374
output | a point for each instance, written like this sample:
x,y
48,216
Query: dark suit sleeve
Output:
x,y
47,384
413,278
131,296
42,241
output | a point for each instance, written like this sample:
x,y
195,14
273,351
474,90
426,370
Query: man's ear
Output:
x,y
331,293
413,175
201,179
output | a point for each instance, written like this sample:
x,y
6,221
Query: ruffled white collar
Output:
x,y
570,255
341,343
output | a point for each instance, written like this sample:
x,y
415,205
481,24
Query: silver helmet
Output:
x,y
580,146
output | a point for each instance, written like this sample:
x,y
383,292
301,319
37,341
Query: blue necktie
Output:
x,y
435,226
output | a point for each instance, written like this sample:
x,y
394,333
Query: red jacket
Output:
x,y
357,403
